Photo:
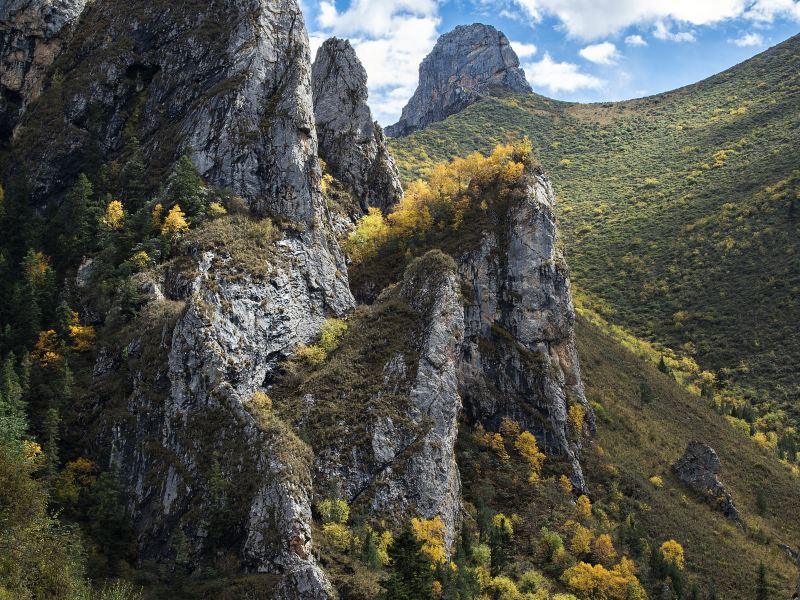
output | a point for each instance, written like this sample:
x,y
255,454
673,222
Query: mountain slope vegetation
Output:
x,y
680,214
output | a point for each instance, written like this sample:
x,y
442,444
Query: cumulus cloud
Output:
x,y
559,76
523,50
663,32
390,37
599,18
635,40
749,39
601,54
766,11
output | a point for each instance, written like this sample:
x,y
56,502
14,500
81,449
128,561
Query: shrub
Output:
x,y
672,553
334,511
338,535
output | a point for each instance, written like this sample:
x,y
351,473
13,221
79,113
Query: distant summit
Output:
x,y
467,64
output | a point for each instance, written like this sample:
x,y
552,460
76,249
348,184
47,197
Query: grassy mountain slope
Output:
x,y
643,440
680,211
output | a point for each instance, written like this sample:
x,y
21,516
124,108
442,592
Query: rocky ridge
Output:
x,y
467,64
32,35
350,142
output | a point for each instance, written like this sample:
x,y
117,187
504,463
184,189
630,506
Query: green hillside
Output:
x,y
680,215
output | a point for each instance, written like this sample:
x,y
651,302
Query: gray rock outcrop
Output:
x,y
699,469
172,407
396,459
466,65
350,141
519,357
32,35
228,79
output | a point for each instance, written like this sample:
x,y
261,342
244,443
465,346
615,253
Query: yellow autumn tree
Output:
x,y
492,441
509,428
577,415
175,223
48,349
114,217
525,444
431,533
604,551
156,216
369,233
565,484
595,582
581,540
672,553
82,336
583,506
37,267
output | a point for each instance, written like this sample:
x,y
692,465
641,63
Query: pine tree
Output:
x,y
501,543
410,575
13,423
188,190
762,586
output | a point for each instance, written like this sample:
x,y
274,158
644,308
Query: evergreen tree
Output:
x,y
645,393
410,575
187,190
80,221
762,586
369,550
13,422
501,542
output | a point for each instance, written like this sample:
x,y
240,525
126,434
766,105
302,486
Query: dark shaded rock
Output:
x,y
350,142
467,64
32,35
699,468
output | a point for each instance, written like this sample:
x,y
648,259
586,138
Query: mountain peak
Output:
x,y
467,64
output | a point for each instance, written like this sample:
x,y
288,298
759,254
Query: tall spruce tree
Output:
x,y
410,575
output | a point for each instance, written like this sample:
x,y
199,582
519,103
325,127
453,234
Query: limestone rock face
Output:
x,y
699,469
400,462
519,357
230,79
350,142
467,64
32,35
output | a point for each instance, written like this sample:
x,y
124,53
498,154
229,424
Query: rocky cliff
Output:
x,y
397,367
350,142
467,64
229,82
519,358
179,407
32,35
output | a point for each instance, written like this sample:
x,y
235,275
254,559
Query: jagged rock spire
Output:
x,y
467,64
350,142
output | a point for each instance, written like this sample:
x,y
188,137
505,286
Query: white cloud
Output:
x,y
592,19
635,40
602,54
663,32
749,39
390,37
766,11
523,50
559,76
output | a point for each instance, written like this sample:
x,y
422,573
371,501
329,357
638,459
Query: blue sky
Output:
x,y
582,50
